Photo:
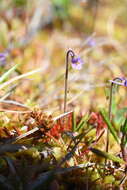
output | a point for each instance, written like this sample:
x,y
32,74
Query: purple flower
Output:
x,y
3,57
123,81
91,42
77,63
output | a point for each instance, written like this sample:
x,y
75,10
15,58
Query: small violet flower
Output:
x,y
3,57
123,81
91,42
76,63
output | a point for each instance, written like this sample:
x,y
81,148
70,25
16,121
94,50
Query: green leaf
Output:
x,y
124,127
107,155
119,118
5,75
19,3
82,122
61,8
62,3
107,121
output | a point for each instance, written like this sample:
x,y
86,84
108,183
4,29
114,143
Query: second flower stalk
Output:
x,y
76,63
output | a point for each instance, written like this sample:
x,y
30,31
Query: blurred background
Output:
x,y
37,34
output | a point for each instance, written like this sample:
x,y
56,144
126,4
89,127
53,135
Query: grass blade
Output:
x,y
6,74
107,155
107,121
41,69
124,127
82,122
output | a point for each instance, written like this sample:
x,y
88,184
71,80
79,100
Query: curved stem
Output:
x,y
69,52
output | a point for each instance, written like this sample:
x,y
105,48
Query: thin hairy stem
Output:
x,y
109,114
69,52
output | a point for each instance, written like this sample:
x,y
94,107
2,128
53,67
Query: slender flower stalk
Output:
x,y
114,81
76,63
123,82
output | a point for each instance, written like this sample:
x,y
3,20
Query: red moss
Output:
x,y
64,124
97,121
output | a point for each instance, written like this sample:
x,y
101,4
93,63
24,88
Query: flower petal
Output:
x,y
77,63
76,66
